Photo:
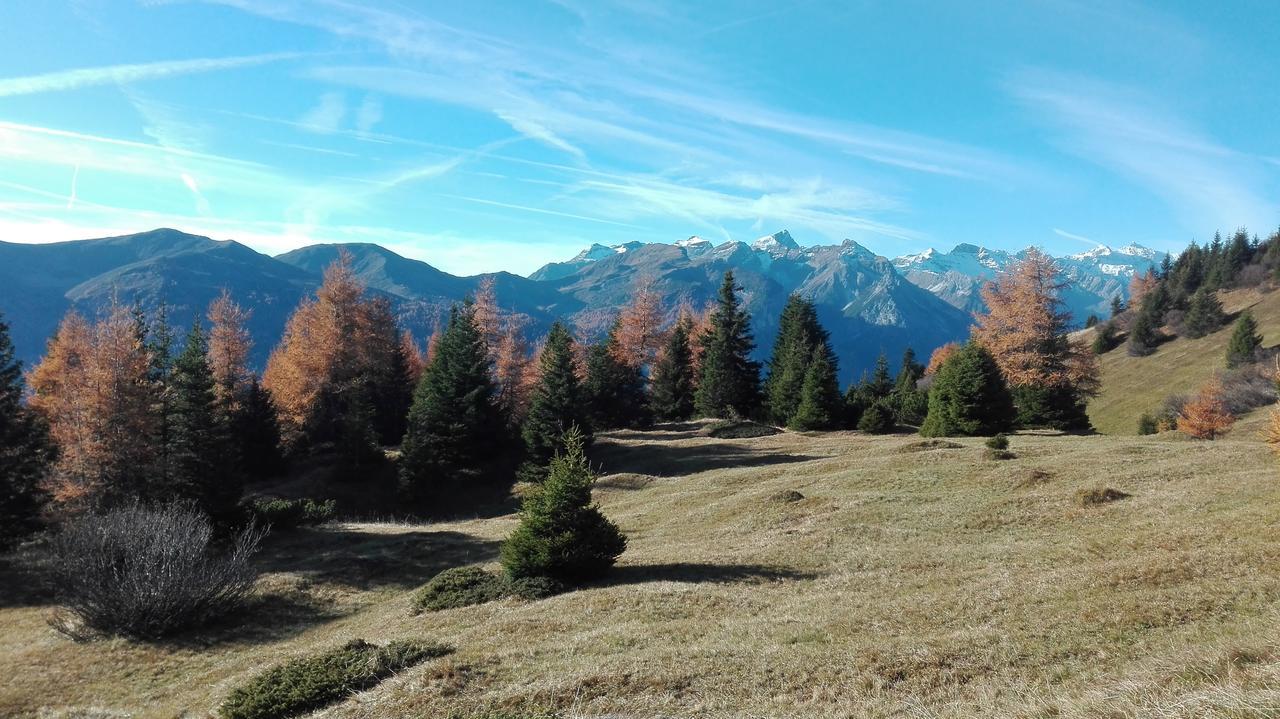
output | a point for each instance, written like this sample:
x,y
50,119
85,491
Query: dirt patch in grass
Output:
x,y
787,496
1034,477
1099,495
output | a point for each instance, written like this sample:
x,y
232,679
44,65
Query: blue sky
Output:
x,y
482,136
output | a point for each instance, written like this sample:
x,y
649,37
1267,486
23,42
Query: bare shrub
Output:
x,y
145,572
1247,387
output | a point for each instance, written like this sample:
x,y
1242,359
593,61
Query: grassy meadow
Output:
x,y
825,575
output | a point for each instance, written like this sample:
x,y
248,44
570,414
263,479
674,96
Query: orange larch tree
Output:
x,y
415,358
93,388
1139,286
639,330
1206,416
1025,330
229,346
939,356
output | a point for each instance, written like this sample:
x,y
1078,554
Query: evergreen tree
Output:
x,y
857,399
26,452
1117,306
728,381
877,418
1091,321
202,466
1204,314
820,405
909,404
390,387
453,420
1143,335
1104,339
968,396
791,353
562,535
256,433
557,404
672,390
1049,407
614,390
1245,341
881,383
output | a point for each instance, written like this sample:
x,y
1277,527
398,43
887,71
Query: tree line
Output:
x,y
115,413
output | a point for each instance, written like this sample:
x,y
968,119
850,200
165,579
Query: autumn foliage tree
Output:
x,y
638,334
1206,416
339,374
1025,330
939,356
94,389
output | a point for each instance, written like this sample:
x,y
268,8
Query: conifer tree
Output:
x,y
728,380
908,403
26,452
562,535
386,370
857,398
1245,341
1143,335
1104,338
256,433
453,421
557,404
881,383
1204,314
788,362
671,395
201,464
968,396
820,405
614,389
1117,306
877,418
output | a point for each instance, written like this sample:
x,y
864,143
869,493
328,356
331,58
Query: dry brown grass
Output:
x,y
916,583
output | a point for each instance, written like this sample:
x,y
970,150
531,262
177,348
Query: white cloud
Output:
x,y
369,114
127,74
1077,238
327,116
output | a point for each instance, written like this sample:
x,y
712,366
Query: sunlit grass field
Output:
x,y
908,578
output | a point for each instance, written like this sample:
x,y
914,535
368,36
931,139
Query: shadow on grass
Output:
x,y
668,461
368,560
22,580
702,573
664,431
266,617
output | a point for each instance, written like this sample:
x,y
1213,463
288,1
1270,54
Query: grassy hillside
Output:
x,y
1133,385
911,579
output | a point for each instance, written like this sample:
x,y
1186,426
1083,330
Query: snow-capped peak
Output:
x,y
918,258
595,252
777,242
1136,250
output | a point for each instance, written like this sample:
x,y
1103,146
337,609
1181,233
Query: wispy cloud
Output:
x,y
327,116
1077,238
127,74
1137,136
369,114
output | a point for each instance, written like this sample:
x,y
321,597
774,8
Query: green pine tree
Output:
x,y
556,405
877,418
614,390
1204,314
562,535
26,452
968,396
820,405
729,381
1104,338
671,395
1245,341
202,466
453,422
1143,335
255,429
881,383
792,350
909,404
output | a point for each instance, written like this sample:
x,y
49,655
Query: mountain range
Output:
x,y
871,304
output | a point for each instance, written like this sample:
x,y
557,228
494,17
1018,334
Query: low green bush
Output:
x,y
309,683
467,586
283,515
999,441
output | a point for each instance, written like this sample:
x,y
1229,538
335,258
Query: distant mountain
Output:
x,y
40,282
1096,276
869,303
866,304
